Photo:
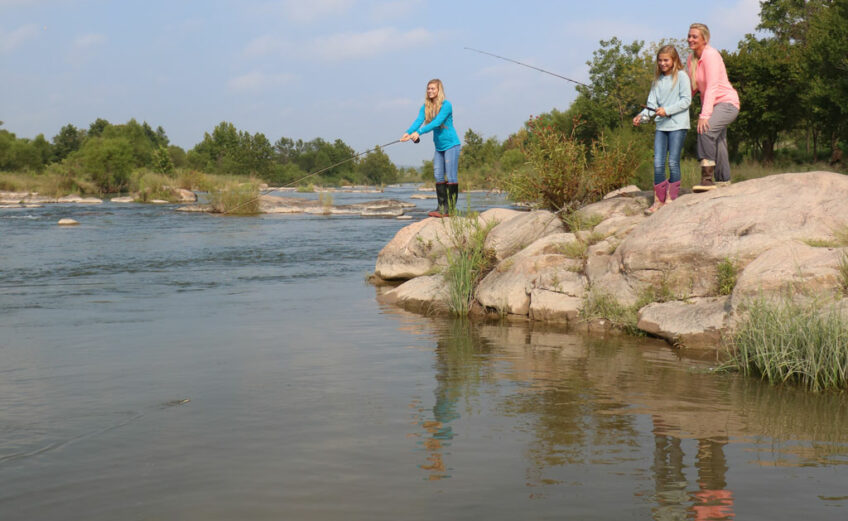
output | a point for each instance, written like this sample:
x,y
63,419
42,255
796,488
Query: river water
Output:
x,y
159,365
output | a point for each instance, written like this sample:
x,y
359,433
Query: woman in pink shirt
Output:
x,y
719,107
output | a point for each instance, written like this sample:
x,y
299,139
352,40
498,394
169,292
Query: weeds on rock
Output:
x,y
236,199
468,261
789,341
726,275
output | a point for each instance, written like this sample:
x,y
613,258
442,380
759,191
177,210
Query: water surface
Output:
x,y
309,400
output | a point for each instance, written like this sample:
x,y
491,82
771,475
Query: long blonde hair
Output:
x,y
670,50
432,108
693,60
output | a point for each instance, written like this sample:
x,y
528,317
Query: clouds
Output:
x,y
341,46
15,39
346,46
305,11
258,81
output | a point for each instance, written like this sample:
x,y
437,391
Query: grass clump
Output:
x,y
788,341
726,276
577,220
468,261
235,199
843,273
601,305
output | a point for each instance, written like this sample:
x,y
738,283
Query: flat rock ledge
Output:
x,y
33,199
782,235
275,204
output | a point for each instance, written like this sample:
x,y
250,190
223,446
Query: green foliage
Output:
x,y
726,276
789,341
21,154
468,260
68,140
236,198
565,174
108,161
599,305
843,273
377,168
152,186
162,162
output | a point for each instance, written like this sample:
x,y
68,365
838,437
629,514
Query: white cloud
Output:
x,y
88,41
303,11
396,9
258,81
265,45
345,46
11,41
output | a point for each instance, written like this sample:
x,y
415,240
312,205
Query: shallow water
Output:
x,y
309,400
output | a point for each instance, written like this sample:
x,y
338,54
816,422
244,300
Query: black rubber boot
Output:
x,y
442,197
453,193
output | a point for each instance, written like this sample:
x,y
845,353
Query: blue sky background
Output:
x,y
349,69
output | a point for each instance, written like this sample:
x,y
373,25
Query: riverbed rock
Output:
x,y
378,208
66,221
695,323
123,199
426,294
79,200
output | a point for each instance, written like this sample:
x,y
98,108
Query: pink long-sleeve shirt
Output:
x,y
712,82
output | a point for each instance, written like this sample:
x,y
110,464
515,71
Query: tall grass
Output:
x,y
468,260
788,341
235,199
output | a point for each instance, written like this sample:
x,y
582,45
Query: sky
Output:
x,y
354,70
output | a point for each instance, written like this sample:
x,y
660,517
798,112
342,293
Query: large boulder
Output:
x,y
516,233
543,264
420,248
683,244
696,323
426,295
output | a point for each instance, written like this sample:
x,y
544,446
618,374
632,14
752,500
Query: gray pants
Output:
x,y
712,144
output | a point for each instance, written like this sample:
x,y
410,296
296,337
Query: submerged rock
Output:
x,y
67,222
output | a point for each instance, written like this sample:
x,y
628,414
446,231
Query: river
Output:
x,y
164,365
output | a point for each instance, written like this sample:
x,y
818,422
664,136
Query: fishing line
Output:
x,y
543,70
351,158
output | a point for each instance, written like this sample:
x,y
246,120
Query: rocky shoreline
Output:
x,y
777,235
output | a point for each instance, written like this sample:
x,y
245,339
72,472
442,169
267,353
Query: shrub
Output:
x,y
564,173
235,199
791,341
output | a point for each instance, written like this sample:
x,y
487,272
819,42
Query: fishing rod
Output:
x,y
543,70
290,183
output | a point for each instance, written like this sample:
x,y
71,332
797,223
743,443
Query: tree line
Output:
x,y
108,153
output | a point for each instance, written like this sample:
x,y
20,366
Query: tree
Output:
x,y
162,161
68,140
108,160
766,75
377,168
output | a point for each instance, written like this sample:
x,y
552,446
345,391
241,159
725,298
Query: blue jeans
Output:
x,y
447,162
668,142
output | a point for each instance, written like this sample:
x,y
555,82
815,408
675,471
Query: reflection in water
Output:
x,y
584,401
458,372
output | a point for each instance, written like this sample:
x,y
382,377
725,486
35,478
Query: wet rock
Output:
x,y
696,323
67,222
79,200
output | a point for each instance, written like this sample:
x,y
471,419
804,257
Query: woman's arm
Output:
x,y
417,123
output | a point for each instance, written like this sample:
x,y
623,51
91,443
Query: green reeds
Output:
x,y
235,199
789,341
468,261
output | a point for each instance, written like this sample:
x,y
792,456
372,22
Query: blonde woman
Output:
x,y
436,114
719,107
